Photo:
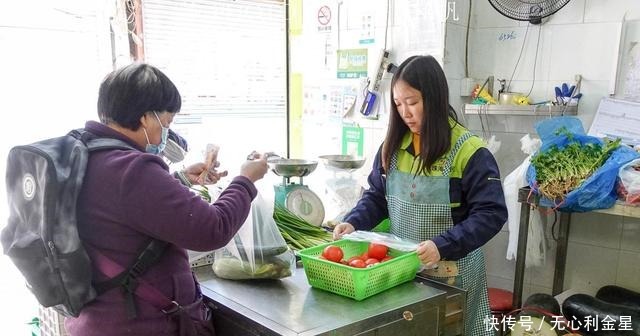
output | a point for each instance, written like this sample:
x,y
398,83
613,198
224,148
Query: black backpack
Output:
x,y
43,182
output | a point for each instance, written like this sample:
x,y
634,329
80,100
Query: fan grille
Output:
x,y
528,10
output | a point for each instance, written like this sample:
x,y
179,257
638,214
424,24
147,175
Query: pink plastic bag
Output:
x,y
629,184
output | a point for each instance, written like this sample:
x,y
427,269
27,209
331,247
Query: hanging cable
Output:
x,y
466,43
386,27
524,40
535,61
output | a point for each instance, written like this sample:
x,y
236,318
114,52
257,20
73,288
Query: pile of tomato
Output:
x,y
375,254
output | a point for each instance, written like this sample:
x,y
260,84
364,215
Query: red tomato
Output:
x,y
352,259
377,251
333,253
386,258
357,263
371,261
364,256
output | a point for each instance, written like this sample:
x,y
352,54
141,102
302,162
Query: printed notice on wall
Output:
x,y
617,119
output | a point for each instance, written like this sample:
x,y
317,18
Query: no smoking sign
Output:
x,y
324,15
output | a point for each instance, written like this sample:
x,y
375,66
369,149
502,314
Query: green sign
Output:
x,y
352,63
352,140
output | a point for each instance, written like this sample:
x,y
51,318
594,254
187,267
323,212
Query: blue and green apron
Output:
x,y
420,209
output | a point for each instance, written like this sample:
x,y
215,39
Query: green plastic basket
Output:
x,y
357,283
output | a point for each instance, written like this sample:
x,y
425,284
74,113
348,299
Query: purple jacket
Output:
x,y
129,197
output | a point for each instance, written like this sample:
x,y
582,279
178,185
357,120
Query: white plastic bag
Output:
x,y
511,185
258,250
629,186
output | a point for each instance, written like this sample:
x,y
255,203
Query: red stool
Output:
x,y
500,303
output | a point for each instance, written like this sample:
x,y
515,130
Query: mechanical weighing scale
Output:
x,y
345,189
297,197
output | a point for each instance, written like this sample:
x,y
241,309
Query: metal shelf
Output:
x,y
520,110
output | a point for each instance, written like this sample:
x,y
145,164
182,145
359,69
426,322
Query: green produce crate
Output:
x,y
357,283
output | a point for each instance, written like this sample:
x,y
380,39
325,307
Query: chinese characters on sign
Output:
x,y
527,323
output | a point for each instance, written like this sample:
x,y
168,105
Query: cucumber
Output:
x,y
580,306
619,295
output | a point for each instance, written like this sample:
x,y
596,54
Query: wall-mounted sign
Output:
x,y
352,63
324,19
352,140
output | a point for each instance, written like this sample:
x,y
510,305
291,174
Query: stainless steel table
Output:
x,y
526,200
291,307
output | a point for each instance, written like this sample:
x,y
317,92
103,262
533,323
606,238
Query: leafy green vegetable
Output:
x,y
202,191
561,170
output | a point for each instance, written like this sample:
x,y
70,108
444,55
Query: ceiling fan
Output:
x,y
528,10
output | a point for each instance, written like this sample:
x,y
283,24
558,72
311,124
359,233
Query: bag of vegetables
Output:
x,y
629,186
575,172
258,250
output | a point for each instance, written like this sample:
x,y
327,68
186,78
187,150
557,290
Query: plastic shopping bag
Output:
x,y
629,184
382,238
511,186
258,250
598,190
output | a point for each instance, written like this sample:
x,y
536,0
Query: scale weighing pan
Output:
x,y
292,167
348,162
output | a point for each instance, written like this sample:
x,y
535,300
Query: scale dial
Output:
x,y
306,204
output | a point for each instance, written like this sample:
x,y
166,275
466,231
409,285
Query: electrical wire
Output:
x,y
466,43
386,27
535,61
553,226
524,40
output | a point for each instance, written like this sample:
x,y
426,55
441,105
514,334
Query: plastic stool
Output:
x,y
500,304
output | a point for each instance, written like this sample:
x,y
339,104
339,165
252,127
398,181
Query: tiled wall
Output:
x,y
580,39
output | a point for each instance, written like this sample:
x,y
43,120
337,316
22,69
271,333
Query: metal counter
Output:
x,y
292,307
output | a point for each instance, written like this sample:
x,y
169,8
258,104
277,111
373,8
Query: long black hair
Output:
x,y
424,74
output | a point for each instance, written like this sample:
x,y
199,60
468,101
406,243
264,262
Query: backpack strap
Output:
x,y
129,278
95,143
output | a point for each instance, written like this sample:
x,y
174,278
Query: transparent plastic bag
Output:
x,y
258,250
383,238
629,184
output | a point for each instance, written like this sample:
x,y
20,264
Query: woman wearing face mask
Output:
x,y
437,184
129,198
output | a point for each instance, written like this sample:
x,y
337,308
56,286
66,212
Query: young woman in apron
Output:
x,y
437,184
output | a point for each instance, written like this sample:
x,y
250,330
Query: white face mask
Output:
x,y
157,149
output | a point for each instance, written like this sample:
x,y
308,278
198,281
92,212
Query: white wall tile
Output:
x,y
571,13
574,50
631,235
593,91
629,270
454,53
596,229
611,10
483,15
498,51
495,256
590,267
